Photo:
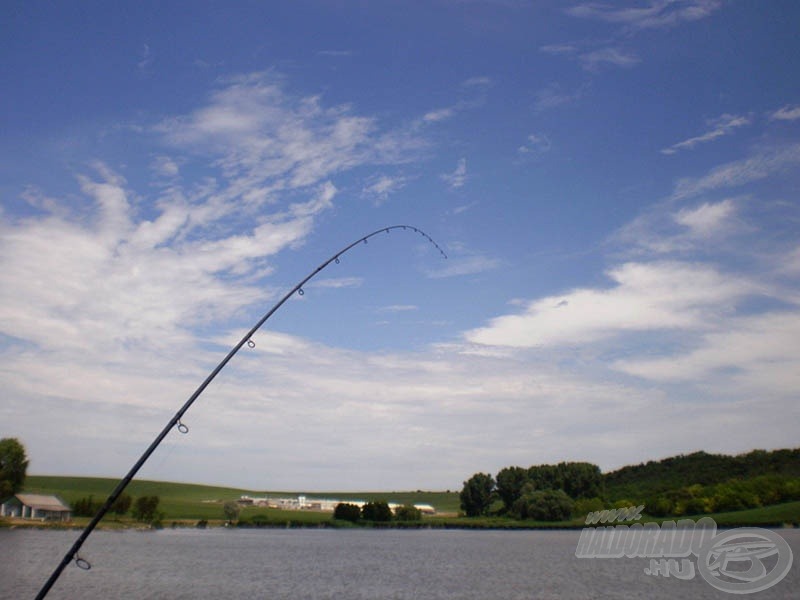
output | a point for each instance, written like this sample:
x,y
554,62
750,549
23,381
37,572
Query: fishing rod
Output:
x,y
176,422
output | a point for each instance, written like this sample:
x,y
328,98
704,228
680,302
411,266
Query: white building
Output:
x,y
36,506
318,504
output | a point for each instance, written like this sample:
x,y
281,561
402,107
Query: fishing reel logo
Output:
x,y
738,561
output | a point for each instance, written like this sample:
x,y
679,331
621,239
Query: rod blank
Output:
x,y
175,421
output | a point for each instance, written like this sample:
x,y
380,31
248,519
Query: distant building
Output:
x,y
425,509
318,504
36,506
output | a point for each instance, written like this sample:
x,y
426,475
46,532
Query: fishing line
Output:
x,y
176,423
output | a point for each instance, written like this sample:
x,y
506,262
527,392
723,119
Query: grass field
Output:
x,y
188,503
180,501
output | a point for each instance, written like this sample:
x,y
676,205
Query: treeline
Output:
x,y
541,492
144,509
375,512
681,485
657,477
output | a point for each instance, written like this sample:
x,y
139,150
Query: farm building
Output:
x,y
36,506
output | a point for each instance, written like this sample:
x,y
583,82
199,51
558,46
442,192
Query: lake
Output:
x,y
341,564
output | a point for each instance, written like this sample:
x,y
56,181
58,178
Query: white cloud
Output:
x,y
706,219
787,113
757,352
644,297
656,13
721,126
117,281
116,278
457,178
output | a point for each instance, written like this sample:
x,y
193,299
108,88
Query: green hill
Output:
x,y
654,478
193,501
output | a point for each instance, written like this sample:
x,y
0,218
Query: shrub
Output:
x,y
408,513
86,507
378,512
347,512
544,505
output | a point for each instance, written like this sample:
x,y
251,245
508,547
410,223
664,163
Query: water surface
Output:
x,y
341,564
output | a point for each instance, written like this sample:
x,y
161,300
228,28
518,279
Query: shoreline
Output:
x,y
459,524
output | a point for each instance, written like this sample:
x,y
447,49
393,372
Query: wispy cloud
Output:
x,y
440,114
755,351
560,49
536,145
395,308
554,96
120,276
165,166
656,13
721,126
786,113
380,187
593,55
664,231
463,208
116,280
596,59
477,82
337,282
464,264
760,165
335,53
458,177
269,140
146,59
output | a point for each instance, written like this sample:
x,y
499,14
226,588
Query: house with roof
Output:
x,y
36,506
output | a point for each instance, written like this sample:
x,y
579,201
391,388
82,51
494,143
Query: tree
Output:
x,y
347,512
577,479
13,467
122,505
509,484
144,509
582,480
477,495
377,511
231,510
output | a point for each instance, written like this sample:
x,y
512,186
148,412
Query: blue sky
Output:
x,y
615,185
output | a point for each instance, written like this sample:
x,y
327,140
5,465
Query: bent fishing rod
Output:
x,y
176,422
